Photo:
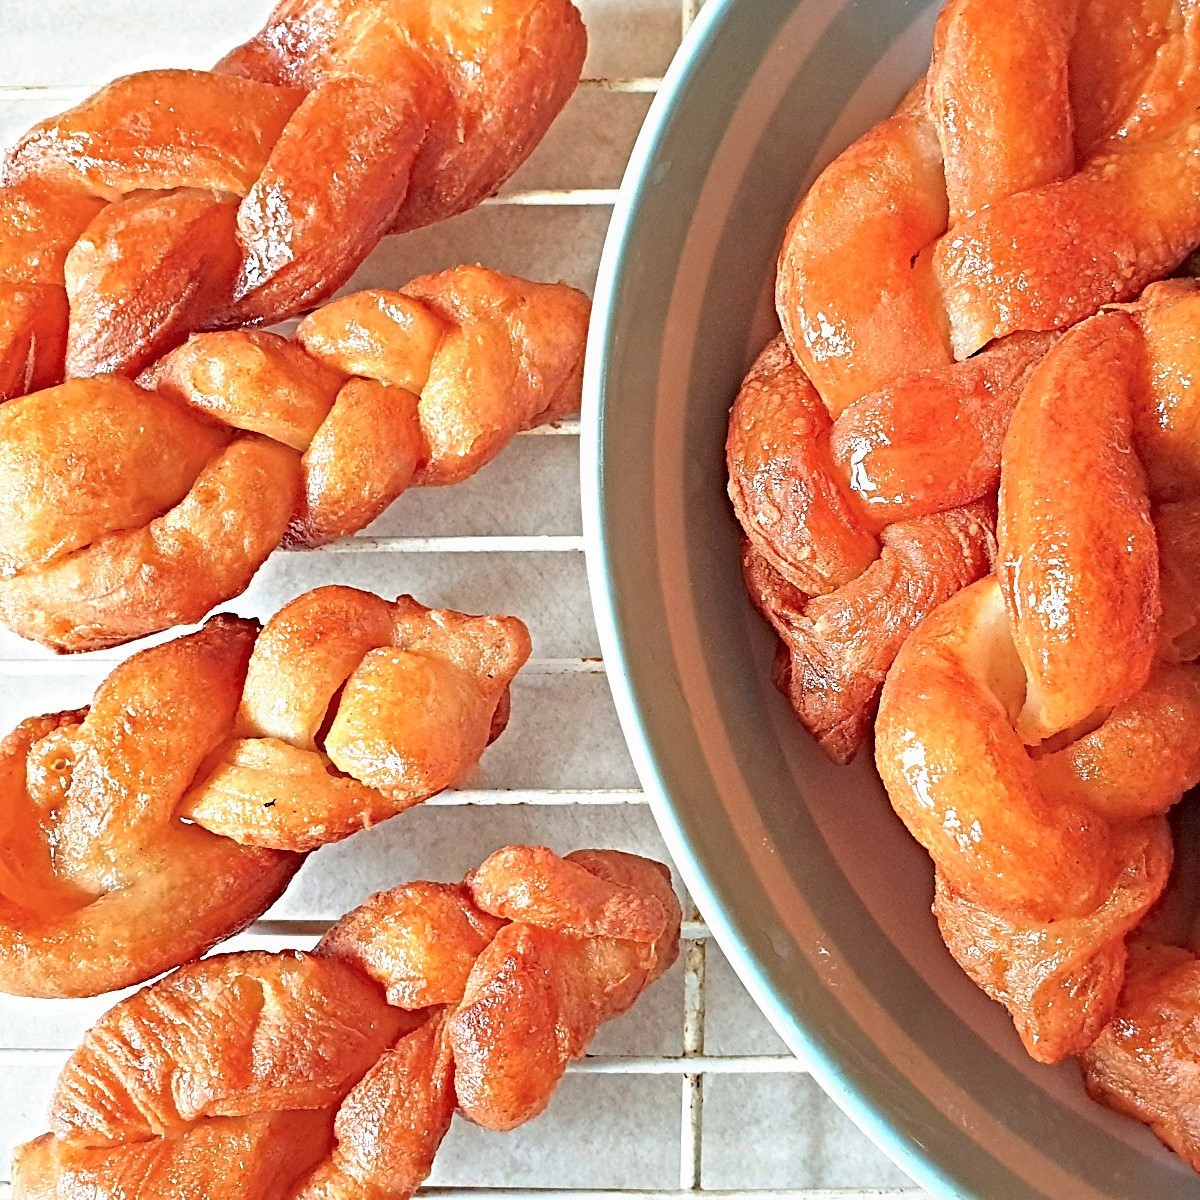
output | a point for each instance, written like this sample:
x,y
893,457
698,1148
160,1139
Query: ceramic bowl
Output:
x,y
812,887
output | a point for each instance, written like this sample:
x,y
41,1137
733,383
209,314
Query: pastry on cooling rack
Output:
x,y
175,201
298,1076
1047,166
142,830
127,508
1036,728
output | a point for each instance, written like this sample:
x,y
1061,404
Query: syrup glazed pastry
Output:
x,y
127,508
139,832
1037,727
176,201
1047,166
336,1074
1145,1062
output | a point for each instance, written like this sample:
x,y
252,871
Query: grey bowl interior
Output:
x,y
812,886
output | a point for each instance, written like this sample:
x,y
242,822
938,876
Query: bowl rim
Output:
x,y
787,1015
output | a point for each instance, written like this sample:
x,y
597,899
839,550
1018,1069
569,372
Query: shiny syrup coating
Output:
x,y
1035,730
174,810
1043,168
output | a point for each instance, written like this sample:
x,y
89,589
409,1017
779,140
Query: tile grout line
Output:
x,y
691,1127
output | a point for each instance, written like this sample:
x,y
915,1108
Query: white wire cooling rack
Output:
x,y
689,1095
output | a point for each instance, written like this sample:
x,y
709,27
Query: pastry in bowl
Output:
x,y
1037,727
968,478
1045,167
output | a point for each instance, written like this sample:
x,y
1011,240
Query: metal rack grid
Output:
x,y
24,676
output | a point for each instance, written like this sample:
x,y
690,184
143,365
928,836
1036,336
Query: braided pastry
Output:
x,y
336,1074
173,201
1036,727
856,528
139,832
1048,165
127,509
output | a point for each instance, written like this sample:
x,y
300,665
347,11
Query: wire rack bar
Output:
x,y
41,667
561,428
468,1193
548,799
617,1194
693,1067
274,934
598,1064
556,197
74,92
643,84
503,543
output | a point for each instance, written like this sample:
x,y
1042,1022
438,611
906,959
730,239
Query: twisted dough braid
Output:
x,y
1036,727
1048,165
126,508
139,832
855,528
336,1074
173,201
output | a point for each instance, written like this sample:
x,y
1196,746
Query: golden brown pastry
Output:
x,y
175,201
835,650
1036,727
126,508
1045,167
335,1074
1146,1062
138,832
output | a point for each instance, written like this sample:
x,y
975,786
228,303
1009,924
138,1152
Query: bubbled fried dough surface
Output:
x,y
172,812
859,527
1145,1063
173,201
337,1073
589,933
134,507
134,890
835,650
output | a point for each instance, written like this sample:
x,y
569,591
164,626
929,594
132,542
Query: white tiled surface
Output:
x,y
639,1116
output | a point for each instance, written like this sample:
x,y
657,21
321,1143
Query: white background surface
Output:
x,y
560,775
